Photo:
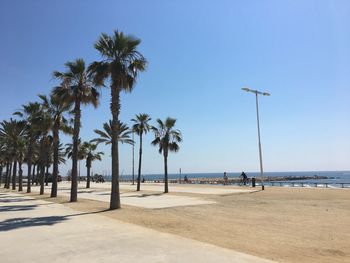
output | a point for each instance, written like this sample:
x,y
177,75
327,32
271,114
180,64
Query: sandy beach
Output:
x,y
281,224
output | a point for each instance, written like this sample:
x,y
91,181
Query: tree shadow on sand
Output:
x,y
8,199
11,208
23,222
145,195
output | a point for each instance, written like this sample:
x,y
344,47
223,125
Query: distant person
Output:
x,y
185,179
143,179
225,178
244,178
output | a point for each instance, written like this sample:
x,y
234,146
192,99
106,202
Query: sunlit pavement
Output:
x,y
39,231
145,199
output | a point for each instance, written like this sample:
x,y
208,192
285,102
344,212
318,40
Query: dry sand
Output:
x,y
282,224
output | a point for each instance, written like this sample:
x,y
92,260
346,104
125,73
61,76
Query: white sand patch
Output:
x,y
139,199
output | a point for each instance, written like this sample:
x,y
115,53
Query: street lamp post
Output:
x,y
256,92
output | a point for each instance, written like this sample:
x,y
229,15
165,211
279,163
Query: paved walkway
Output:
x,y
39,231
145,199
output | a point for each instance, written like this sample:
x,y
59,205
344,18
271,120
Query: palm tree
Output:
x,y
12,133
105,136
121,64
56,108
167,139
76,88
45,142
141,127
30,113
90,156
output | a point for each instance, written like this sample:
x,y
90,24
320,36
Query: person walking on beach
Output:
x,y
185,179
244,178
225,178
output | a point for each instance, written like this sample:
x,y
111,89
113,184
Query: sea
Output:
x,y
334,178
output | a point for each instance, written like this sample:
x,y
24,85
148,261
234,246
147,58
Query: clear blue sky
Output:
x,y
201,53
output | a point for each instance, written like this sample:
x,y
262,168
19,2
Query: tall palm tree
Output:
x,y
167,139
76,88
141,126
91,155
56,107
121,64
12,133
30,113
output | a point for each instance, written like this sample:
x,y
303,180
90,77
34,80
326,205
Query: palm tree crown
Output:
x,y
141,123
105,136
166,137
76,84
121,61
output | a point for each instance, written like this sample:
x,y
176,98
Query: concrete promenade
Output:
x,y
39,231
151,196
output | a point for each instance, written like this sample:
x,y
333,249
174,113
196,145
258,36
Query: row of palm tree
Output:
x,y
45,151
42,122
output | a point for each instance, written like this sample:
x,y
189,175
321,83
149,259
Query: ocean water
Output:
x,y
334,177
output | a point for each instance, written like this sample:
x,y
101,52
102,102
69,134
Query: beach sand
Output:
x,y
282,224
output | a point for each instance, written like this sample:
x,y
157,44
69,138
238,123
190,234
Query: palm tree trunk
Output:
x,y
42,178
115,109
140,160
29,162
0,175
42,165
20,177
33,173
55,135
8,174
14,173
133,159
37,174
88,176
76,130
47,175
166,190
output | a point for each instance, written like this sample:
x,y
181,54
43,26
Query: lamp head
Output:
x,y
246,89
